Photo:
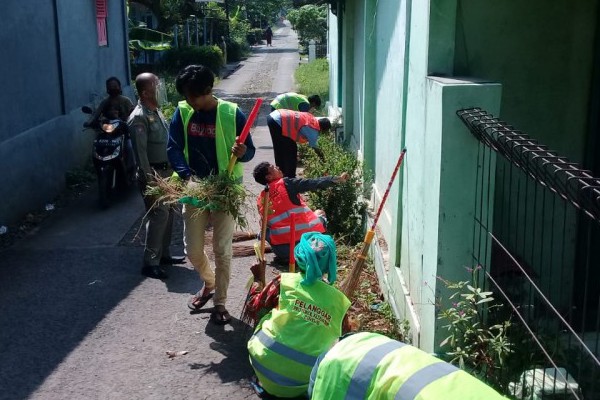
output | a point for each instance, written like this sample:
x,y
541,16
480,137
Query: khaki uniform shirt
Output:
x,y
149,134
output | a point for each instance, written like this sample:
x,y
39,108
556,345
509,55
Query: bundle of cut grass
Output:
x,y
213,193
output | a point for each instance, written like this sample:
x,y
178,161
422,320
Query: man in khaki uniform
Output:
x,y
149,133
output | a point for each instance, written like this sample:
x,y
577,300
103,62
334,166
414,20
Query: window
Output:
x,y
101,22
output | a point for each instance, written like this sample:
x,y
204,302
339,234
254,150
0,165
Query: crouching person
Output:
x,y
372,366
307,320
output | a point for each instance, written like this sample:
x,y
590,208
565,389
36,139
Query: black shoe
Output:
x,y
154,271
172,260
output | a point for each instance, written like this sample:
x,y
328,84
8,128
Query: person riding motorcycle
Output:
x,y
114,101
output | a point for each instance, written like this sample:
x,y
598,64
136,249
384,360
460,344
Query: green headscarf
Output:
x,y
316,256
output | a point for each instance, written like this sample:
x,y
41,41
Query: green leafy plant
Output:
x,y
475,344
175,59
345,204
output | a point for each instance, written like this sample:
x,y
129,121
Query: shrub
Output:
x,y
345,204
236,50
254,36
476,344
176,59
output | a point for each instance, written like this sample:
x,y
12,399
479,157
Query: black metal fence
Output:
x,y
537,239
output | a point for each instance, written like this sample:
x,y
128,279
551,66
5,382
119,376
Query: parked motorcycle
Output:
x,y
111,156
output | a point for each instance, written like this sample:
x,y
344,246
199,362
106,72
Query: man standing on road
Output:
x,y
287,128
202,138
149,135
296,102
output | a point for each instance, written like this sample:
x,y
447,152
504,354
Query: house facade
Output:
x,y
400,71
57,55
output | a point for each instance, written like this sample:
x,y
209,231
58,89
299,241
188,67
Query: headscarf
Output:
x,y
316,256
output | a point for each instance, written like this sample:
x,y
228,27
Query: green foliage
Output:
x,y
310,22
255,35
175,59
475,344
313,78
345,204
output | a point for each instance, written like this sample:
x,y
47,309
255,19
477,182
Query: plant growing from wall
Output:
x,y
475,344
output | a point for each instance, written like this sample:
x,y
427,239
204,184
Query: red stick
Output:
x,y
292,261
245,131
250,120
387,191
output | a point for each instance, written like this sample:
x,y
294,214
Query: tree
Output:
x,y
310,22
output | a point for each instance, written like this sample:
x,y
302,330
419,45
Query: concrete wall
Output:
x,y
55,67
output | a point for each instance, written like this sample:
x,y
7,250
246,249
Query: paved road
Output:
x,y
77,319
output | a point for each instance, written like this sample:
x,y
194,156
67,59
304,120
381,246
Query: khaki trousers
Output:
x,y
158,227
195,223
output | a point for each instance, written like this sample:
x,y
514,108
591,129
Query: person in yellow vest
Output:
x,y
307,320
287,128
284,199
372,366
201,140
296,102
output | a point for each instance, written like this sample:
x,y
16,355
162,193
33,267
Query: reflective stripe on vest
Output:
x,y
284,350
272,375
423,377
364,371
293,121
280,209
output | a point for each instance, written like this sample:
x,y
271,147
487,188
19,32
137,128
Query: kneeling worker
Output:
x,y
284,199
307,320
372,366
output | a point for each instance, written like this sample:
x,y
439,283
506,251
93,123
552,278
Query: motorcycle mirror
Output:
x,y
86,110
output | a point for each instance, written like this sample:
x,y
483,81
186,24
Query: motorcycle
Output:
x,y
112,157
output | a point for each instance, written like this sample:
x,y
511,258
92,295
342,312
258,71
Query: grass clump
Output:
x,y
213,193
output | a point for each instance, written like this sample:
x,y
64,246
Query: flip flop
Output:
x,y
198,301
220,317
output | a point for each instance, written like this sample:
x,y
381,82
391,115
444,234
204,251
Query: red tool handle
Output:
x,y
387,191
245,131
292,261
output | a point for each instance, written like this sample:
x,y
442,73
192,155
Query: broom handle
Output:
x,y
349,284
292,260
263,234
245,131
387,191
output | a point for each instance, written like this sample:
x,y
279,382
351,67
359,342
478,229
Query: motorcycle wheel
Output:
x,y
104,189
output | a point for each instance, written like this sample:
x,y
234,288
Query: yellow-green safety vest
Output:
x,y
372,366
288,340
289,101
225,134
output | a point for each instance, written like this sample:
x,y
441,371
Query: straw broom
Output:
x,y
350,284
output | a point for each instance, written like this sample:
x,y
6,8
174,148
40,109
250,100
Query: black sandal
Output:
x,y
220,317
198,301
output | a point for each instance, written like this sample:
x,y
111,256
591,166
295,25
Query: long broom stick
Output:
x,y
292,260
349,284
245,131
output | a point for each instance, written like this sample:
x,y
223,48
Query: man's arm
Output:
x,y
296,186
175,147
138,129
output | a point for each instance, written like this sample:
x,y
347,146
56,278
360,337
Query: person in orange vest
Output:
x,y
285,199
287,129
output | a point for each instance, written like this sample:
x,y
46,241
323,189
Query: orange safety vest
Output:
x,y
293,121
281,208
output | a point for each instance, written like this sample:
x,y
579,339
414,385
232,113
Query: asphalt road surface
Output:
x,y
79,321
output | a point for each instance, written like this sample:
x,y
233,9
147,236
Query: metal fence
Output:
x,y
537,240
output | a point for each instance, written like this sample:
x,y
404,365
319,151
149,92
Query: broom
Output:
x,y
349,284
292,260
245,131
